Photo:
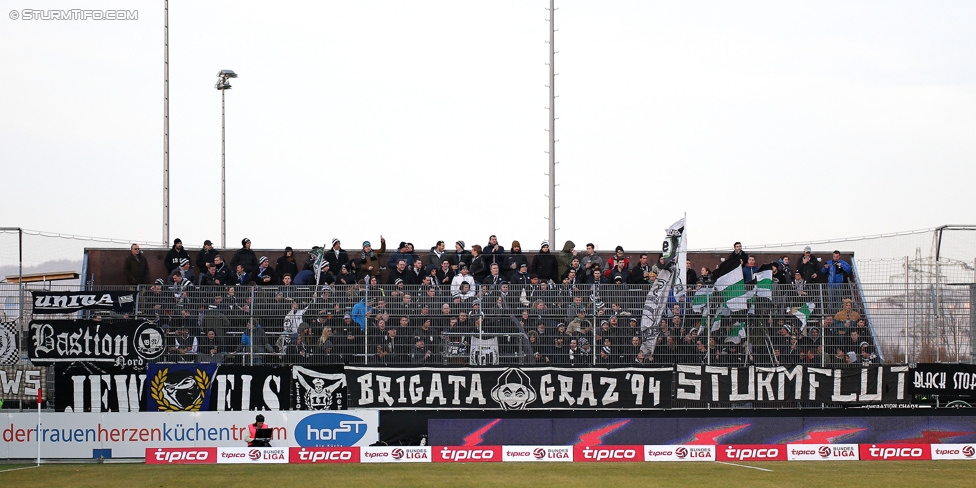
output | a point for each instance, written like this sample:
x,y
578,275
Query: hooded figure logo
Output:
x,y
514,390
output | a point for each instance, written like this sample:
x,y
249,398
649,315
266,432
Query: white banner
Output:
x,y
954,451
537,453
822,452
386,454
128,435
252,455
679,453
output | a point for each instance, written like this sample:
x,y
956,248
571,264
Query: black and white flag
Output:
x,y
657,296
9,352
73,301
318,388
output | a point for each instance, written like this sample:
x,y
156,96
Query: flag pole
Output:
x,y
40,398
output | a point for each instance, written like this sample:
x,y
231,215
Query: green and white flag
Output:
x,y
764,281
699,302
737,333
732,287
318,254
802,313
713,323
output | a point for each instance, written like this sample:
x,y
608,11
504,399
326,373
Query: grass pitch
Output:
x,y
782,474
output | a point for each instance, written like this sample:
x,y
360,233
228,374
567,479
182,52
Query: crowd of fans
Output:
x,y
570,308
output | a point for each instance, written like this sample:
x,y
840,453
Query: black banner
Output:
x,y
944,379
509,389
242,388
722,384
73,301
98,388
21,382
318,388
130,343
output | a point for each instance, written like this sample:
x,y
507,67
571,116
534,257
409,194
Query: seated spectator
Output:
x,y
184,346
382,357
209,279
618,255
574,271
494,279
420,354
444,274
209,349
398,273
345,276
847,316
241,276
224,274
619,274
264,275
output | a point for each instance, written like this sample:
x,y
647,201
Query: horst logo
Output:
x,y
607,454
181,455
758,452
324,455
895,452
330,430
479,454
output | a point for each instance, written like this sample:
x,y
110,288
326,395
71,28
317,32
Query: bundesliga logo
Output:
x,y
968,451
824,451
254,454
681,452
539,453
397,453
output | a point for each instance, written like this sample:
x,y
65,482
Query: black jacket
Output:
x,y
245,257
544,265
173,258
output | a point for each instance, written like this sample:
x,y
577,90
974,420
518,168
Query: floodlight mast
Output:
x,y
223,85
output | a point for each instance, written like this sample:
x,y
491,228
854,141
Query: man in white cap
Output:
x,y
265,275
336,256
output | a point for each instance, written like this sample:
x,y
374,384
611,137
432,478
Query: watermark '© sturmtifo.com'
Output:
x,y
74,14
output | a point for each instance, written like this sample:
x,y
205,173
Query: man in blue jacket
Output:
x,y
838,273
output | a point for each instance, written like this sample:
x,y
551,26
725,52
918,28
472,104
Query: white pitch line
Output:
x,y
744,466
15,469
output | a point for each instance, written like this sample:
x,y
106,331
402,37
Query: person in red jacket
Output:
x,y
252,431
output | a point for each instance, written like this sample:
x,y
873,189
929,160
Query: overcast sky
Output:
x,y
765,122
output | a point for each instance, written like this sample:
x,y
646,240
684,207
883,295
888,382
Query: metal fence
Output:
x,y
555,325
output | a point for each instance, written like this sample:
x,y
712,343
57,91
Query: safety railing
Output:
x,y
536,324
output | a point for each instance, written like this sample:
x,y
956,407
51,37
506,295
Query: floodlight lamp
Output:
x,y
227,73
